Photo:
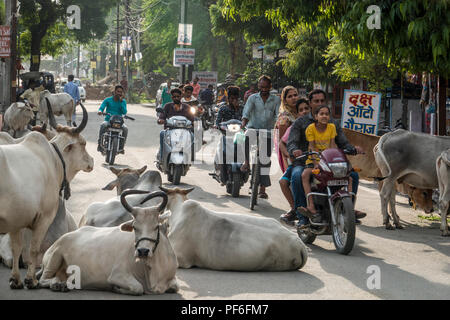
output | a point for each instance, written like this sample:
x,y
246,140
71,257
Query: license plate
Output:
x,y
115,130
338,182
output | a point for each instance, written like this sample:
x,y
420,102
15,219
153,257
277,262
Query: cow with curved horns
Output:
x,y
34,173
411,158
111,213
229,241
133,258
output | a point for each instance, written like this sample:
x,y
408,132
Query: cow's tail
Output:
x,y
444,156
378,150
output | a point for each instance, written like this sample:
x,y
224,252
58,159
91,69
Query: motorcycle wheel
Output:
x,y
306,235
235,184
255,186
177,170
344,231
111,154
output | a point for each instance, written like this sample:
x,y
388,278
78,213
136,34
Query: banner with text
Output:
x,y
5,40
183,56
205,78
361,111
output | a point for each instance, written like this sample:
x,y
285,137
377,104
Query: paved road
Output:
x,y
414,263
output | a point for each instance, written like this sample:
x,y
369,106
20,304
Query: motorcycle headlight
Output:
x,y
234,128
339,169
324,166
193,110
116,125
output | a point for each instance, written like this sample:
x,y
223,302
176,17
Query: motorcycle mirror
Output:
x,y
159,109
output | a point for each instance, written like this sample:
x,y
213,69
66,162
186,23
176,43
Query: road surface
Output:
x,y
413,263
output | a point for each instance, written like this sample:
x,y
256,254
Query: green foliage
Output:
x,y
2,13
306,60
349,66
414,34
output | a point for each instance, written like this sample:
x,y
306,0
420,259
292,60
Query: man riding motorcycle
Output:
x,y
115,105
175,108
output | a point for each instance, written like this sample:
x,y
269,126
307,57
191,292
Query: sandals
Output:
x,y
263,195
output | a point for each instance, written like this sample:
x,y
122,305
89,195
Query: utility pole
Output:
x,y
118,44
127,52
78,61
183,21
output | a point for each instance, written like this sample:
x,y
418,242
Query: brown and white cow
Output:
x,y
420,198
34,172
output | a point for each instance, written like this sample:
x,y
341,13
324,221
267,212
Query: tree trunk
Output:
x,y
35,49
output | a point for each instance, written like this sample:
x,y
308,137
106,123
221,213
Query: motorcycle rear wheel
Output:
x,y
255,185
344,231
235,184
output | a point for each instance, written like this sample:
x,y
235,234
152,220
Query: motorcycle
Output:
x,y
113,142
177,151
332,200
207,113
230,174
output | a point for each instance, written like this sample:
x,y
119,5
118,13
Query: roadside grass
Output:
x,y
432,217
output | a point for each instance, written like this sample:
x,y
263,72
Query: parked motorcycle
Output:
x,y
332,200
229,173
177,153
113,142
207,113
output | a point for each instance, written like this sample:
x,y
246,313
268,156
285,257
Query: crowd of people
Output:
x,y
299,124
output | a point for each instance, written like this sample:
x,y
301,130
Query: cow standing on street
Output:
x,y
411,158
443,174
133,258
17,117
34,172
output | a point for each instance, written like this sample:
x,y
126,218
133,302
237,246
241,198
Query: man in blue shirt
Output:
x,y
114,105
72,89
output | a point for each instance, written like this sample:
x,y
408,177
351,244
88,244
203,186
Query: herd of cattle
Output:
x,y
155,229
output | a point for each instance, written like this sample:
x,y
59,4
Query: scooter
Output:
x,y
228,168
332,200
177,153
113,142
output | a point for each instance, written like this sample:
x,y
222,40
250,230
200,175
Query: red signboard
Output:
x,y
5,40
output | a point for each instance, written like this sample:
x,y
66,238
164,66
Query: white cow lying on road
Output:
x,y
133,258
229,241
443,174
111,213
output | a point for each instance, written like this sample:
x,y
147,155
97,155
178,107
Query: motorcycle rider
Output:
x,y
175,108
115,105
232,110
260,113
207,95
188,98
297,144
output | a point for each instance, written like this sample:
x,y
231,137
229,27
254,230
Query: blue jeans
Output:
x,y
299,193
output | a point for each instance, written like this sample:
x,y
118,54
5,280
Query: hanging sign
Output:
x,y
184,34
5,41
361,111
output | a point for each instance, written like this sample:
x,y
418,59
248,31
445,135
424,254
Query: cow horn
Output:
x,y
83,123
127,193
51,116
166,190
157,194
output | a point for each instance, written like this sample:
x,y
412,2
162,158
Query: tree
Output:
x,y
41,18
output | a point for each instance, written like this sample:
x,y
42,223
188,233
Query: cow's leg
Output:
x,y
394,214
16,246
124,283
173,286
443,208
385,196
6,255
37,237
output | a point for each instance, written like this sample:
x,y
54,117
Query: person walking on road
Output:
x,y
72,89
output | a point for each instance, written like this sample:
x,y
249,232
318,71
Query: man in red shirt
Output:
x,y
196,87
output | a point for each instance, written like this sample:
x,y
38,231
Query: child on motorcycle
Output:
x,y
321,136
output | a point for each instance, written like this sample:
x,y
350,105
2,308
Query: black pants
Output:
x,y
265,152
